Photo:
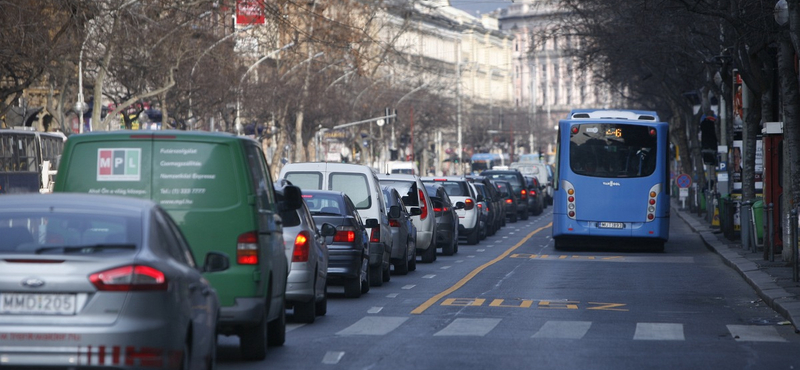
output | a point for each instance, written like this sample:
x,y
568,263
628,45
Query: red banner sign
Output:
x,y
250,12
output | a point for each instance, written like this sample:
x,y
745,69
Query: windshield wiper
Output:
x,y
85,248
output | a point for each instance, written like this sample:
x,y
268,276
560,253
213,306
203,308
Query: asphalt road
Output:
x,y
514,302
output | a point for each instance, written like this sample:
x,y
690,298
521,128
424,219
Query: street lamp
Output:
x,y
239,127
80,106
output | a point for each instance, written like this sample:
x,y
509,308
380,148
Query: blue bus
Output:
x,y
486,161
611,178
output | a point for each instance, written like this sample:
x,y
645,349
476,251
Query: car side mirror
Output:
x,y
394,211
292,198
415,211
216,261
372,222
460,205
327,230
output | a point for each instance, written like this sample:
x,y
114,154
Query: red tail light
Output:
x,y
480,205
301,246
437,210
509,201
375,235
345,234
523,194
129,279
423,205
247,249
469,204
394,223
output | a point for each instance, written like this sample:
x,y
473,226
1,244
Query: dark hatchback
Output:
x,y
504,188
518,189
536,195
496,203
348,249
446,218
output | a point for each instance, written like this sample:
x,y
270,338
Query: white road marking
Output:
x,y
375,310
469,327
430,276
658,331
409,286
753,333
563,329
373,325
445,267
332,357
480,250
292,326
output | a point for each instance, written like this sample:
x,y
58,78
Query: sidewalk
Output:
x,y
772,281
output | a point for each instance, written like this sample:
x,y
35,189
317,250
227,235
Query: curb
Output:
x,y
777,298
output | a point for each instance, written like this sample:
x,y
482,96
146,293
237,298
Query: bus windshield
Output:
x,y
612,150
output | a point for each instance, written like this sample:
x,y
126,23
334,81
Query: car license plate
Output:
x,y
611,225
37,304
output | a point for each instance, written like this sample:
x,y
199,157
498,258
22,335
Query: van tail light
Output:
x,y
469,204
394,223
301,246
344,234
523,194
247,249
423,205
129,278
375,235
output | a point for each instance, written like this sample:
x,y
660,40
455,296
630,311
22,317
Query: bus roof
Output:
x,y
622,114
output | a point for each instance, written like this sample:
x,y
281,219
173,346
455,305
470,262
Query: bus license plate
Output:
x,y
611,225
37,304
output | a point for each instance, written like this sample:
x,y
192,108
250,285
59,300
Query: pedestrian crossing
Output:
x,y
553,329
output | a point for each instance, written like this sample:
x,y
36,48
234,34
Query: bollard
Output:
x,y
793,237
769,244
744,221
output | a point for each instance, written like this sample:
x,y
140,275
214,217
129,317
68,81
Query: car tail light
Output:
x,y
570,199
509,201
375,235
394,223
532,193
301,246
247,249
345,234
480,205
129,279
423,205
469,204
437,209
523,194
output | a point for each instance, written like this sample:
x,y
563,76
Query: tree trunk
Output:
x,y
97,108
790,92
752,126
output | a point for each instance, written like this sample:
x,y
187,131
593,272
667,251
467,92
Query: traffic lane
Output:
x,y
395,298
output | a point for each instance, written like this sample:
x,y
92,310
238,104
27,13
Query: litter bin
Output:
x,y
727,212
758,222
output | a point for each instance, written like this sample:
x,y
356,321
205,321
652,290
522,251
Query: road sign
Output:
x,y
683,181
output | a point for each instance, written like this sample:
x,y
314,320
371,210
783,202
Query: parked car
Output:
x,y
348,248
536,195
88,275
459,190
404,233
446,218
496,204
361,184
415,195
307,254
219,190
518,190
505,189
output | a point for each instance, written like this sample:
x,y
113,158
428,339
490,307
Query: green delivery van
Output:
x,y
218,188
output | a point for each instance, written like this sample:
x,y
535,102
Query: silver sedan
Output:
x,y
93,280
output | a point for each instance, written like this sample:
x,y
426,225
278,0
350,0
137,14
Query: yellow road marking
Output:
x,y
430,302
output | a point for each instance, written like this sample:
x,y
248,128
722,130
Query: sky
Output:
x,y
482,6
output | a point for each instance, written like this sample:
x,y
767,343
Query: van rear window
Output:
x,y
305,180
355,185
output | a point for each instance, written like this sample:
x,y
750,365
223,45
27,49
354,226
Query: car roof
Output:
x,y
83,201
444,178
397,176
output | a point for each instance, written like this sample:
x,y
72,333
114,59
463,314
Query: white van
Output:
x,y
360,183
401,167
541,172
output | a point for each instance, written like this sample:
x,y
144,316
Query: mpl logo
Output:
x,y
119,164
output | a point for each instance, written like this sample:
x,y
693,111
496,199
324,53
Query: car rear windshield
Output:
x,y
324,204
455,188
511,177
407,190
68,233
